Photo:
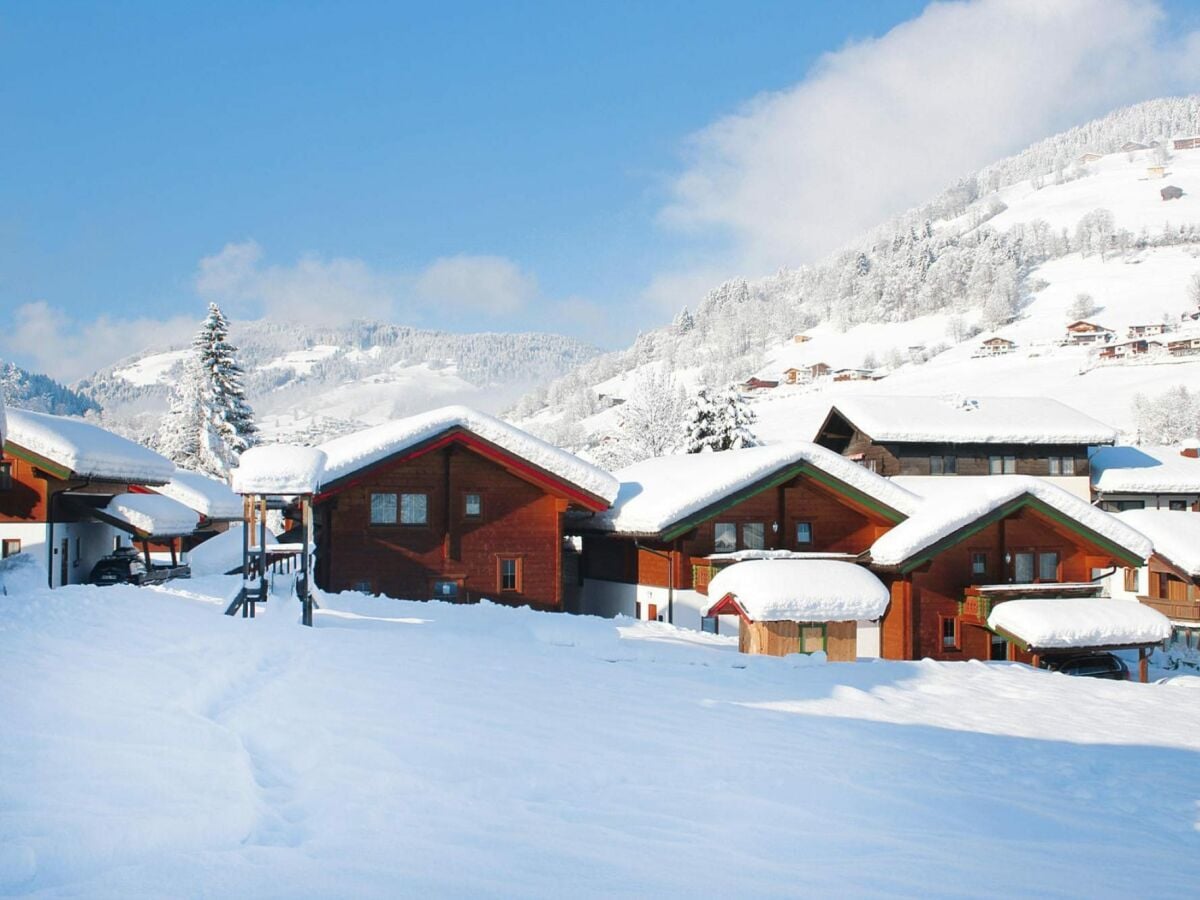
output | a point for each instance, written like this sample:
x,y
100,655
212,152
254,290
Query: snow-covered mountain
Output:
x,y
29,390
1005,252
310,383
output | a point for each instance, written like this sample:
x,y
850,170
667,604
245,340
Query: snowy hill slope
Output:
x,y
1006,253
307,384
427,749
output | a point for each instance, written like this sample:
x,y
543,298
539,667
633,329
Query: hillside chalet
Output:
x,y
1127,349
930,436
69,494
1150,330
1170,580
454,505
1186,143
758,384
996,346
1184,346
678,520
1087,333
1146,478
806,374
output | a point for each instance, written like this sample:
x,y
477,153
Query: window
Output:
x,y
871,465
1002,465
5,476
78,553
1023,568
363,587
999,649
414,509
724,537
445,590
1047,567
116,542
383,509
804,533
472,506
10,547
1178,505
1062,465
812,638
1131,580
510,574
979,564
752,536
949,632
943,465
710,624
1121,505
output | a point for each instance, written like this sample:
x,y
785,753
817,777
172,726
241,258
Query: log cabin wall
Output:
x,y
518,521
1171,592
974,459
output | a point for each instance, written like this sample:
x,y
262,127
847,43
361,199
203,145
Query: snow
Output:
x,y
1175,534
303,361
657,493
87,450
221,553
3,422
948,512
801,590
208,496
153,514
962,419
279,469
357,451
1073,623
1144,470
21,573
152,369
155,747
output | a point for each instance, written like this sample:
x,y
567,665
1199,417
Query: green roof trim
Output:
x,y
60,472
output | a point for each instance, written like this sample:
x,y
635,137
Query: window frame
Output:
x,y
946,464
518,575
424,521
466,506
762,539
976,555
1132,579
717,526
6,545
955,638
796,532
1041,556
371,520
6,475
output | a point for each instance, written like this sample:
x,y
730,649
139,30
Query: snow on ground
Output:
x,y
302,361
152,369
153,746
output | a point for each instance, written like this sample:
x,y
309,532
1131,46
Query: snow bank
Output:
x,y
356,451
87,450
21,573
221,553
941,517
801,590
1175,534
153,514
210,497
1144,470
279,469
1069,623
657,493
986,420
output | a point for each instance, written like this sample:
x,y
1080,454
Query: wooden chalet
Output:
x,y
452,505
806,374
758,384
920,436
996,346
949,565
1133,147
1171,192
1127,349
59,478
1149,330
679,520
1082,332
852,375
801,339
1184,346
1186,143
1170,580
1156,172
1088,157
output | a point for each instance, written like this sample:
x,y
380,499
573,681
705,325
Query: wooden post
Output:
x,y
1037,660
305,531
262,551
174,555
1143,666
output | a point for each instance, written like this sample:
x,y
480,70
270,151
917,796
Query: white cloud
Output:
x,y
487,284
886,123
46,339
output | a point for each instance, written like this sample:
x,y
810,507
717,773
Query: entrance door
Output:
x,y
999,649
62,562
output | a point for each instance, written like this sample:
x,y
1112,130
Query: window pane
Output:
x,y
950,465
1068,465
978,563
935,465
949,633
1178,505
1055,467
1023,568
1047,567
1010,465
413,509
724,537
804,532
752,536
472,505
383,509
995,465
445,590
508,574
5,476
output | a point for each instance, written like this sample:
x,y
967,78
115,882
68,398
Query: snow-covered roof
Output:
x,y
210,497
353,452
1174,533
657,493
1144,470
982,420
946,514
85,449
800,590
1079,623
222,552
279,469
152,514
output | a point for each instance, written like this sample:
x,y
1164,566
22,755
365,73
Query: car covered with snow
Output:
x,y
125,566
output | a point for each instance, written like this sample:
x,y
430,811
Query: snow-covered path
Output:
x,y
152,746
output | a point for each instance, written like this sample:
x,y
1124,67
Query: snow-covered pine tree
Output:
x,y
229,420
179,434
701,424
733,420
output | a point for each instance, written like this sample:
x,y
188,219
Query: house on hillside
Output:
x,y
1133,147
678,520
1128,349
853,374
806,374
69,494
801,339
932,436
1186,143
1149,330
1170,580
996,346
1089,157
1184,346
452,505
1156,172
758,384
1146,478
1087,333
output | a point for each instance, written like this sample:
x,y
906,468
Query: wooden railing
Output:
x,y
1185,611
703,572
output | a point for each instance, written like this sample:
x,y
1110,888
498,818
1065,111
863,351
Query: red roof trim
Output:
x,y
728,606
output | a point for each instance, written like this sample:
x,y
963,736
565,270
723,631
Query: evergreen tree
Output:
x,y
701,424
733,420
178,436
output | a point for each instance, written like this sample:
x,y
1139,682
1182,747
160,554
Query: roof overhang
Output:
x,y
84,505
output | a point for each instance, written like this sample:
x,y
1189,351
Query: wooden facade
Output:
x,y
838,640
1172,591
890,458
491,526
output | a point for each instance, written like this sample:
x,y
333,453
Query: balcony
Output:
x,y
980,599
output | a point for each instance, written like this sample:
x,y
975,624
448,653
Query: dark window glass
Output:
x,y
510,578
10,547
753,534
724,537
804,533
6,476
949,632
1023,568
1178,505
1047,567
472,506
445,590
383,509
978,563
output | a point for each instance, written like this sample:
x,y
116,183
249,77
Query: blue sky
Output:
x,y
475,166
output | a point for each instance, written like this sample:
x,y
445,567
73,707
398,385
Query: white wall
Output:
x,y
868,640
95,541
32,536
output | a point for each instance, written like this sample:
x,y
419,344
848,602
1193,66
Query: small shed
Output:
x,y
1156,172
789,606
1061,626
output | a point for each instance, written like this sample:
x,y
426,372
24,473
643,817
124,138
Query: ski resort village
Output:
x,y
869,567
